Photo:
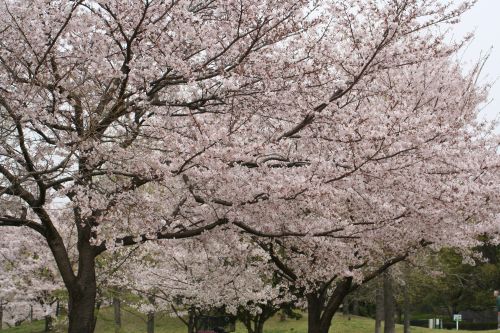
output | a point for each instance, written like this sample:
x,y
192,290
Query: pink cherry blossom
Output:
x,y
341,135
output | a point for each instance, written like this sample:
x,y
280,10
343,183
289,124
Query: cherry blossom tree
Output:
x,y
432,183
132,121
205,274
29,279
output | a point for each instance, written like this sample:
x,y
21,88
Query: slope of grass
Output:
x,y
132,322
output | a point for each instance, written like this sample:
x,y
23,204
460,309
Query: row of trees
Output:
x,y
202,276
326,139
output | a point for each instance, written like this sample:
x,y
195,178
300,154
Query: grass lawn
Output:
x,y
135,323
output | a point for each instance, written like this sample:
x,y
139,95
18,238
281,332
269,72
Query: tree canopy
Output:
x,y
340,134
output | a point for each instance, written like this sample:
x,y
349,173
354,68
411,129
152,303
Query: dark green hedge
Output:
x,y
471,326
448,324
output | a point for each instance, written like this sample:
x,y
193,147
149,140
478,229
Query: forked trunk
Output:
x,y
255,324
82,287
314,314
321,309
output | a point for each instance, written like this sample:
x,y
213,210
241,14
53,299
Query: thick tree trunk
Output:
x,y
117,313
82,295
1,314
81,309
321,310
389,308
82,288
379,308
151,322
313,314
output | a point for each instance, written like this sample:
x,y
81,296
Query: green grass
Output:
x,y
136,323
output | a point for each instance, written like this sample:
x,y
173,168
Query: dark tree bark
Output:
x,y
1,314
82,291
255,323
254,326
151,317
58,308
389,304
321,308
192,321
49,327
314,314
81,309
379,308
117,313
80,283
151,322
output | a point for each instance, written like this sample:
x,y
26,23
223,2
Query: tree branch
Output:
x,y
10,221
161,234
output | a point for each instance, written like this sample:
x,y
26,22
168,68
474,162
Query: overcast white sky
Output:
x,y
484,20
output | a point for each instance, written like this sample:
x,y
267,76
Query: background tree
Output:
x,y
389,303
379,307
456,282
29,279
204,274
